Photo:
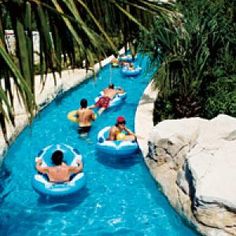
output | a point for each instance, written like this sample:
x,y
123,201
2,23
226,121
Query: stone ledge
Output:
x,y
144,116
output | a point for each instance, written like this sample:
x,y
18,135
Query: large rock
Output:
x,y
194,160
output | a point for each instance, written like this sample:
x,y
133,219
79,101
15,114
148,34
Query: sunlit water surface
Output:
x,y
120,197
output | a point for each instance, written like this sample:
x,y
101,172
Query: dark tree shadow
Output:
x,y
4,180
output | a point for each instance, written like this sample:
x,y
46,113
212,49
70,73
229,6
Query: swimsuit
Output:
x,y
103,102
84,129
120,136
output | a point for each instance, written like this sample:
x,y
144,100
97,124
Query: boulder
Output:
x,y
194,161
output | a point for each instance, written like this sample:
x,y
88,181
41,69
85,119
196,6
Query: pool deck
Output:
x,y
144,117
45,93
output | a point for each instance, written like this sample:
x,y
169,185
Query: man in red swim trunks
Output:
x,y
108,94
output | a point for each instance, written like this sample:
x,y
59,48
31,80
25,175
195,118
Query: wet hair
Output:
x,y
118,123
111,86
83,103
57,157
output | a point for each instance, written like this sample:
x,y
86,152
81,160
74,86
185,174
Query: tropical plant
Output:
x,y
192,51
70,32
221,97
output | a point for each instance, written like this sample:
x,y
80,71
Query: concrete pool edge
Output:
x,y
144,116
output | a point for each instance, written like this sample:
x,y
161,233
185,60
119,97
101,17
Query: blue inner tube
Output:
x,y
133,72
127,58
43,186
116,148
117,100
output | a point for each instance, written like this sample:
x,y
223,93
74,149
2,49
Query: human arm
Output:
x,y
112,134
76,169
129,132
104,91
93,116
92,106
120,91
39,167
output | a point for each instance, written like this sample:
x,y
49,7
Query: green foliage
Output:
x,y
163,109
221,97
70,32
198,53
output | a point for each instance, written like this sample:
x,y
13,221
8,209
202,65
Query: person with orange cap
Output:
x,y
120,132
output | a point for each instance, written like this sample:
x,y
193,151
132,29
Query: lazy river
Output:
x,y
120,197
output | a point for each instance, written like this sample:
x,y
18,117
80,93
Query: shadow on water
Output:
x,y
66,203
4,179
118,162
14,223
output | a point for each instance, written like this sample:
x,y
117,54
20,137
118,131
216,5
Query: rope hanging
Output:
x,y
110,78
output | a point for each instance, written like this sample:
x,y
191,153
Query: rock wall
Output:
x,y
194,161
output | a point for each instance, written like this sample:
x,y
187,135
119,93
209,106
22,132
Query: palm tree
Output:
x,y
69,32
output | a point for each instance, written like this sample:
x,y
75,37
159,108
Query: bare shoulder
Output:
x,y
113,129
120,90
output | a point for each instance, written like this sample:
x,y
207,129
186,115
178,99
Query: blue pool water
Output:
x,y
120,197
